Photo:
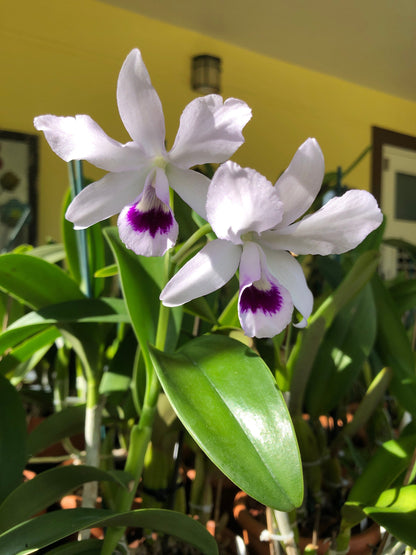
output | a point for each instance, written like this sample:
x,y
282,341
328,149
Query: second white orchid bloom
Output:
x,y
141,171
254,223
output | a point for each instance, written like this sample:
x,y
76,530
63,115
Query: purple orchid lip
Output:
x,y
253,299
154,221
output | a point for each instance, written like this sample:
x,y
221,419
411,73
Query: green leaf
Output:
x,y
345,347
394,348
85,310
11,338
229,402
395,510
307,344
107,271
142,280
30,351
56,427
36,282
140,291
35,495
51,253
51,527
12,438
385,466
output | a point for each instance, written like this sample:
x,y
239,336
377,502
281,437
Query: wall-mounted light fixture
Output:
x,y
205,74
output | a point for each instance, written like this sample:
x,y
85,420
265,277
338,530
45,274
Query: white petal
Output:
x,y
139,105
105,197
209,130
301,182
339,226
191,186
206,272
241,200
80,138
264,306
148,226
289,273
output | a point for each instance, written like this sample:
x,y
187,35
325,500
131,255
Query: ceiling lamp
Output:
x,y
205,74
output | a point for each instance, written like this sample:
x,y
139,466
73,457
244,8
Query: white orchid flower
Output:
x,y
257,231
141,171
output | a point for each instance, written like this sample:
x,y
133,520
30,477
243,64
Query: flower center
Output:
x,y
159,162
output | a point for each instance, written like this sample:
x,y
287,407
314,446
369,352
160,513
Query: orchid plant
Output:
x,y
215,378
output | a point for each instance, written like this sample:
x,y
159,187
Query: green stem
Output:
x,y
194,238
141,433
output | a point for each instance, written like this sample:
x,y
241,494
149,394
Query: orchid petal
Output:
x,y
241,200
191,186
339,226
105,197
264,307
210,130
148,226
206,272
287,270
298,186
139,105
80,138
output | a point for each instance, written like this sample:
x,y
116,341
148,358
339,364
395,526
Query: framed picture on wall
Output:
x,y
18,191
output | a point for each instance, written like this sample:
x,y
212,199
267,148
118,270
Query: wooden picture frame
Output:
x,y
18,189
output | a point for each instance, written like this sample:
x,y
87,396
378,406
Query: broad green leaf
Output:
x,y
395,510
345,347
394,348
35,495
12,438
56,427
51,527
35,282
385,466
229,402
28,353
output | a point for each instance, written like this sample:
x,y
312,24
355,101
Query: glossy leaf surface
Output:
x,y
385,466
395,510
226,397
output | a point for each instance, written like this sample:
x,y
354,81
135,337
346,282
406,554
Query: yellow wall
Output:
x,y
63,57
